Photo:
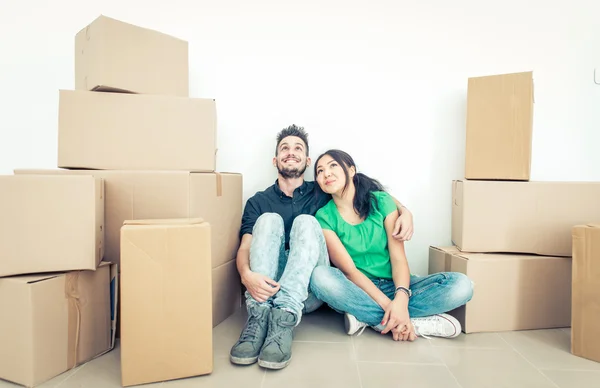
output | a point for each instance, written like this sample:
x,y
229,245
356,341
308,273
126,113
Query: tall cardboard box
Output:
x,y
111,55
510,290
499,127
585,329
56,321
521,217
50,223
120,131
166,294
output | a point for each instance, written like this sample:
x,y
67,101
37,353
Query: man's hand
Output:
x,y
261,287
403,228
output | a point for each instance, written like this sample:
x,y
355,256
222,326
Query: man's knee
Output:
x,y
270,223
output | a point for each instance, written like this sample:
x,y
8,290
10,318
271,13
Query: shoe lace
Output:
x,y
361,330
430,325
250,333
277,329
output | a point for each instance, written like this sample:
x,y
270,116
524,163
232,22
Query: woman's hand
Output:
x,y
397,320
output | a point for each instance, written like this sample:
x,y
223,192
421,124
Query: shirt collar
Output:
x,y
303,188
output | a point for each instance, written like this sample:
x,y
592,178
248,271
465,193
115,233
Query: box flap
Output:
x,y
30,279
166,221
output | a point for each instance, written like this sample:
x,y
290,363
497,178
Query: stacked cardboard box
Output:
x,y
510,235
58,300
131,125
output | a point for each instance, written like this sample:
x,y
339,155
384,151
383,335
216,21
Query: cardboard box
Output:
x,y
56,321
585,330
111,55
131,195
50,223
511,291
499,127
226,291
122,131
521,217
166,294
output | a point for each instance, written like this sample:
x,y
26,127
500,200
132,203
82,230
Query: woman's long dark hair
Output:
x,y
364,185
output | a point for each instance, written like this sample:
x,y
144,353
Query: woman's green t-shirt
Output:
x,y
365,242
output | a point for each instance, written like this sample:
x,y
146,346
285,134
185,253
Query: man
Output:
x,y
281,244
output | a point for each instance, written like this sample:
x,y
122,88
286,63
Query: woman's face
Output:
x,y
330,175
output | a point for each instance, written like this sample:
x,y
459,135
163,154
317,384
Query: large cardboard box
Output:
x,y
226,291
499,127
50,223
166,297
521,217
123,131
131,195
114,55
510,290
585,329
56,321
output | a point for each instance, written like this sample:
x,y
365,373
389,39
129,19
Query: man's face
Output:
x,y
291,160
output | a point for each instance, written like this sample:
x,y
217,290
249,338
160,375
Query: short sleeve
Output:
x,y
322,216
251,214
385,203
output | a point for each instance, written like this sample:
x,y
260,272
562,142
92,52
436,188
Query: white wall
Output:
x,y
384,80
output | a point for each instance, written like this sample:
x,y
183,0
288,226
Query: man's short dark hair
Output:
x,y
292,130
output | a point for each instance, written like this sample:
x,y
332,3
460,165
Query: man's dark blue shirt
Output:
x,y
307,199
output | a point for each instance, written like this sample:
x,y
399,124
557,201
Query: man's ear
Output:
x,y
308,160
275,162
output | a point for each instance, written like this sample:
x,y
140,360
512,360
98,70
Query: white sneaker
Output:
x,y
439,325
353,325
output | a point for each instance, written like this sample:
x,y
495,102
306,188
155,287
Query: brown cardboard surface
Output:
x,y
134,195
499,127
440,258
585,330
226,291
50,223
113,55
136,132
521,217
53,322
511,291
166,296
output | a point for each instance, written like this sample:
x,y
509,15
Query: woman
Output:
x,y
372,283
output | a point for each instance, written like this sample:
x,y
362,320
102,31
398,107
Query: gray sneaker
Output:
x,y
246,349
277,350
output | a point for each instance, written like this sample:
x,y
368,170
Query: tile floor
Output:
x,y
323,356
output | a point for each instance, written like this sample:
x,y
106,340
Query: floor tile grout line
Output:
x,y
71,375
355,359
454,377
401,363
570,370
530,363
264,377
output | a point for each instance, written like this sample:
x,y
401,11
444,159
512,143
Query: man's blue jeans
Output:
x,y
291,268
433,294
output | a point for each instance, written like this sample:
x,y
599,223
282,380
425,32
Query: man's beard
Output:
x,y
291,173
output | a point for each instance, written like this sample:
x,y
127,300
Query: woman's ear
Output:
x,y
352,171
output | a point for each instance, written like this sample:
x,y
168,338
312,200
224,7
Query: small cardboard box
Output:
x,y
510,291
585,330
111,55
119,131
521,217
166,298
50,223
56,321
499,127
